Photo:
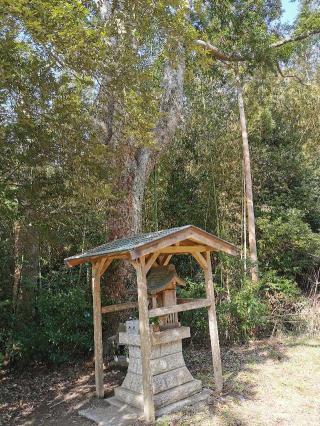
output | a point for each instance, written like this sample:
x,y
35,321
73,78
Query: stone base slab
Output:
x,y
202,396
161,399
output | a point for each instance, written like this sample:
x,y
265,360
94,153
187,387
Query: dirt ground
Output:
x,y
270,382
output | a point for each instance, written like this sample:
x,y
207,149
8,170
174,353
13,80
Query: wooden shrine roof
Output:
x,y
158,278
143,244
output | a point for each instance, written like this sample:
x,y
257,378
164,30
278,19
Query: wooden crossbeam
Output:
x,y
183,249
119,307
188,306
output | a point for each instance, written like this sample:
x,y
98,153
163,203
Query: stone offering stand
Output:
x,y
157,377
172,382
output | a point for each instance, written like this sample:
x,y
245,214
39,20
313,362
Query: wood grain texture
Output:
x,y
144,329
187,306
119,307
98,351
213,326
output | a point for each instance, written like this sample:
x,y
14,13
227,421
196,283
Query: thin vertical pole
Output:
x,y
145,340
155,199
248,187
244,228
97,324
213,326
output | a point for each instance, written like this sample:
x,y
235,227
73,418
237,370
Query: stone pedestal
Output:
x,y
172,381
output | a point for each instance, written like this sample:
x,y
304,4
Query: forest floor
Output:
x,y
268,382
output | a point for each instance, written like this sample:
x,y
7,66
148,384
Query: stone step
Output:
x,y
122,406
110,415
161,399
160,382
159,365
202,396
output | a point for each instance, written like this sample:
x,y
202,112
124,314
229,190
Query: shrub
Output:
x,y
61,329
247,310
287,244
240,316
282,296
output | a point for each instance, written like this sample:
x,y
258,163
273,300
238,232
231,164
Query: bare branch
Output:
x,y
300,37
218,54
290,75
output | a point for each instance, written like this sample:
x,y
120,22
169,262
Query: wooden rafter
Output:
x,y
152,258
105,265
167,259
200,259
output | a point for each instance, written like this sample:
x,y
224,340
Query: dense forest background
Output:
x,y
95,93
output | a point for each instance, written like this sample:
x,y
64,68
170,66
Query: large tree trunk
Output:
x,y
17,264
248,188
125,217
25,274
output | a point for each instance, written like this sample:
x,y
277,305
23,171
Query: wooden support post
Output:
x,y
213,326
98,353
144,329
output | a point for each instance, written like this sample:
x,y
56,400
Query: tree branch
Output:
x,y
300,37
218,54
236,57
290,75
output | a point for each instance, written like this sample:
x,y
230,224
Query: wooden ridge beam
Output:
x,y
188,306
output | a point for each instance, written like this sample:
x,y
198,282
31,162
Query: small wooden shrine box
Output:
x,y
161,285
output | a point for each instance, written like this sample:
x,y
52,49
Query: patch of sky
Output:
x,y
290,11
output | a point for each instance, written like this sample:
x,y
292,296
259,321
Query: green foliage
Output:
x,y
272,285
282,297
61,330
245,311
241,314
196,319
63,65
287,244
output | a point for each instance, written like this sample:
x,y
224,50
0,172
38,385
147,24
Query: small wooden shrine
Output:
x,y
157,375
161,285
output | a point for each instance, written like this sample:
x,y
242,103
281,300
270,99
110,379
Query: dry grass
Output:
x,y
266,383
